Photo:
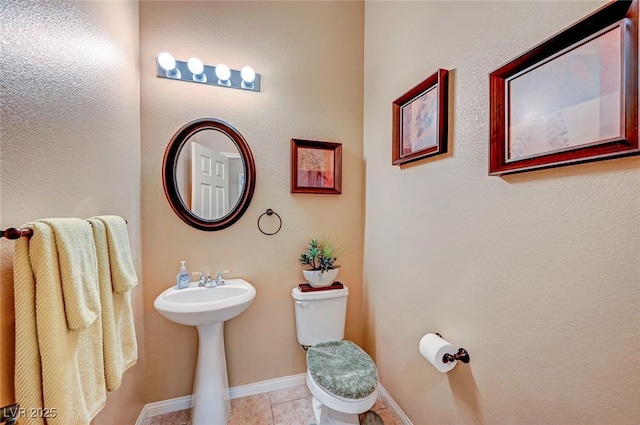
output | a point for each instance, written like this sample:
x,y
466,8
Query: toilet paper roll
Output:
x,y
433,348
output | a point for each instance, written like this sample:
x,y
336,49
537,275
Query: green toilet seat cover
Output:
x,y
343,369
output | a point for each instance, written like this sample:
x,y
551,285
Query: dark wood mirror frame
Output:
x,y
170,163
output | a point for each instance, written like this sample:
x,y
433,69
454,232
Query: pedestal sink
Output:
x,y
207,309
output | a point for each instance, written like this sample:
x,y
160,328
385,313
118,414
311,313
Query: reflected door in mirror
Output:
x,y
210,182
210,174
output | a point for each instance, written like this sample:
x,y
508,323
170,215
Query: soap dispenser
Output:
x,y
182,280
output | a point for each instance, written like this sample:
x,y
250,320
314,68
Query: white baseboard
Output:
x,y
182,403
165,406
393,406
268,385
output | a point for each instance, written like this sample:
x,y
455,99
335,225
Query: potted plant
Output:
x,y
320,257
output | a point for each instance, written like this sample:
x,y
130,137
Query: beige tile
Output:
x,y
295,412
288,394
291,406
180,417
379,404
253,410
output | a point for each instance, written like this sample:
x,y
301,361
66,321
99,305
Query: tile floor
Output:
x,y
291,406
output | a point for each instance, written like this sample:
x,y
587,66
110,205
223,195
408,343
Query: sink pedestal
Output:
x,y
211,405
208,309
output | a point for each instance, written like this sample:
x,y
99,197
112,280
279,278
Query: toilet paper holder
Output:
x,y
461,355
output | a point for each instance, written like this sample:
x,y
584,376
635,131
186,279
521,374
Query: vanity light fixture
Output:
x,y
196,72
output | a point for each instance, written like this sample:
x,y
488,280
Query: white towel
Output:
x,y
118,330
67,373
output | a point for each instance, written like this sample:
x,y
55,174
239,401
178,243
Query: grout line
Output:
x,y
270,400
289,401
273,417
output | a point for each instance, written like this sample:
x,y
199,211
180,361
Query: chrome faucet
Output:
x,y
204,280
209,282
220,278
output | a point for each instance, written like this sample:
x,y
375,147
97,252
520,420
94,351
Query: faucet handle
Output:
x,y
202,279
220,278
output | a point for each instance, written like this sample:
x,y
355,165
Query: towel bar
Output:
x,y
17,233
13,233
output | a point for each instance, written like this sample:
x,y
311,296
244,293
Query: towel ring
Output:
x,y
269,211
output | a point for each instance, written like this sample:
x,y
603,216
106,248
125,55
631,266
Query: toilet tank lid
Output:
x,y
297,294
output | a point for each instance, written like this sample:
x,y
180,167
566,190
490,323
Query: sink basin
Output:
x,y
197,306
208,309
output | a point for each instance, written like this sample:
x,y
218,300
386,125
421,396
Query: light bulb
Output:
x,y
248,74
196,66
223,72
166,61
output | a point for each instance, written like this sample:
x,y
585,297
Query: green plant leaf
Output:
x,y
321,254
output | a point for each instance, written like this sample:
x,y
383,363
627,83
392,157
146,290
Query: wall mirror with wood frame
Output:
x,y
208,174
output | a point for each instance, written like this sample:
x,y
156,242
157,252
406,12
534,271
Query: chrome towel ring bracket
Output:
x,y
270,212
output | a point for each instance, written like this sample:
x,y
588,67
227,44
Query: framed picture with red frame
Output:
x,y
572,98
420,120
316,167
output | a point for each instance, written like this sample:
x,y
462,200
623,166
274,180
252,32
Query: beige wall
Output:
x,y
295,46
70,141
535,274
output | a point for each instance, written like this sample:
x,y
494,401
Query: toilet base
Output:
x,y
327,416
325,406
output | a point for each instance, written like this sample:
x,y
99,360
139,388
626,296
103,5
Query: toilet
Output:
x,y
341,377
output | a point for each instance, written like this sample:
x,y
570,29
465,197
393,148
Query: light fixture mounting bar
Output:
x,y
234,82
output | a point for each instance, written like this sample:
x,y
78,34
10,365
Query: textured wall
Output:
x,y
295,46
536,274
70,132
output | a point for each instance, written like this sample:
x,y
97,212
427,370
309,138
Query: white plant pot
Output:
x,y
319,278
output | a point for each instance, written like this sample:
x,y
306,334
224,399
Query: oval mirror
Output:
x,y
208,174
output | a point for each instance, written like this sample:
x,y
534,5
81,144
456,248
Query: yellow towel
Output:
x,y
123,274
78,270
71,366
118,331
28,378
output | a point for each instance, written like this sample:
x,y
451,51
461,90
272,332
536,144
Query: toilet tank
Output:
x,y
320,315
